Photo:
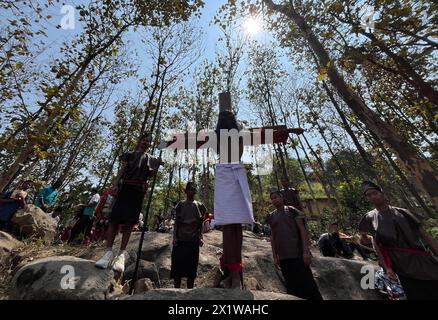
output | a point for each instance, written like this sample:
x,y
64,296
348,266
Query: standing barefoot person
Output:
x,y
232,198
129,189
187,238
290,248
402,245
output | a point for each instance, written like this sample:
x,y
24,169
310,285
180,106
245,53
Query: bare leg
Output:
x,y
111,235
126,234
232,245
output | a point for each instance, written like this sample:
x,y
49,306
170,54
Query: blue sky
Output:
x,y
211,33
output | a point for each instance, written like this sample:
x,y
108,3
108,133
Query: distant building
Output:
x,y
314,207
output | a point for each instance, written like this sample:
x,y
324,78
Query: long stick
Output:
x,y
145,227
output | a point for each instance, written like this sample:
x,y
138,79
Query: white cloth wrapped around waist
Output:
x,y
232,198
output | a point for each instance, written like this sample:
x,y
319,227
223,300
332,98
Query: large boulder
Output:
x,y
7,244
341,279
258,266
154,245
209,294
32,221
146,269
61,278
337,279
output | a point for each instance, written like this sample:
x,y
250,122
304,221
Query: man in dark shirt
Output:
x,y
290,248
129,190
187,238
290,195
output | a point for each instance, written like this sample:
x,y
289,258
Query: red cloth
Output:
x,y
232,267
99,207
387,258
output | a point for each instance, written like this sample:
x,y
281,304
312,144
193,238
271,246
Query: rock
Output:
x,y
143,285
7,244
164,263
336,278
51,278
252,284
154,245
340,279
146,269
32,221
210,278
209,294
257,261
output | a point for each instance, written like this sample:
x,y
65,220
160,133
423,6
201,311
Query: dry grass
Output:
x,y
34,249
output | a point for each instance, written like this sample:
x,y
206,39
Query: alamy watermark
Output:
x,y
368,281
367,20
68,18
68,282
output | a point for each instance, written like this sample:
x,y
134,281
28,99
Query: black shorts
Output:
x,y
128,205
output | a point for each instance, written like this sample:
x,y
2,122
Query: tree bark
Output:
x,y
417,166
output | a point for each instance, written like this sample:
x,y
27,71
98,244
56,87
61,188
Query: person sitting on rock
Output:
x,y
10,202
187,238
405,250
47,197
334,243
290,248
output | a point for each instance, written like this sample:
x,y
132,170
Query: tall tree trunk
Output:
x,y
43,126
312,193
373,139
418,167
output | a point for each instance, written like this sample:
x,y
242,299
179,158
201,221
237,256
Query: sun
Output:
x,y
252,26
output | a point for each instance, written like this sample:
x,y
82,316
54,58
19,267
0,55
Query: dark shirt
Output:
x,y
188,221
8,209
285,233
137,166
333,239
398,227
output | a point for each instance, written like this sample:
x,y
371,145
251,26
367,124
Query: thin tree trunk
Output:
x,y
373,139
418,167
42,127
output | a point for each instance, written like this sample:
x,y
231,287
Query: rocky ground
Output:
x,y
34,270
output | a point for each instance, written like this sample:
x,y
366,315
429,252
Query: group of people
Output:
x,y
403,248
338,244
45,199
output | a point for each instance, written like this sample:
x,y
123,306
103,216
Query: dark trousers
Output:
x,y
299,279
83,225
340,247
419,289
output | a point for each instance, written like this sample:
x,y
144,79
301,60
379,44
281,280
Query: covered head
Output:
x,y
191,186
368,185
